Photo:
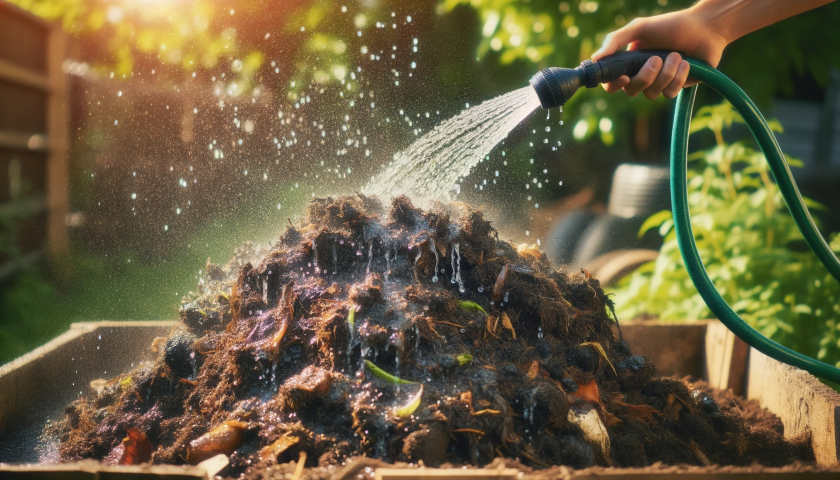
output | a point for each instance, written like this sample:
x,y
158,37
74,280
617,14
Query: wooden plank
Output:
x,y
446,474
802,402
22,76
714,473
38,385
726,359
58,124
93,470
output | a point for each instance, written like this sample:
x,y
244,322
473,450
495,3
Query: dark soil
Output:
x,y
276,356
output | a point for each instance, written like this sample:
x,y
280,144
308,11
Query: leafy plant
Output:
x,y
751,247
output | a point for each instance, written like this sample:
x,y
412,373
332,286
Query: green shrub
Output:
x,y
751,247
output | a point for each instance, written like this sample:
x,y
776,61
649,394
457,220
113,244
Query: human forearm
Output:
x,y
732,19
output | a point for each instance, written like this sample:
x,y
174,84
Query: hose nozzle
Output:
x,y
555,86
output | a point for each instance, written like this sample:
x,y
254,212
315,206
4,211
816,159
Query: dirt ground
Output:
x,y
405,335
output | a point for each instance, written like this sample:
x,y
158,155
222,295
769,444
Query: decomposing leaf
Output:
x,y
378,372
273,347
506,323
224,438
593,428
597,346
136,448
491,324
499,286
410,407
639,412
533,370
588,391
279,446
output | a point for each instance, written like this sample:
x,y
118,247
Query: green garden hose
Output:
x,y
784,179
555,86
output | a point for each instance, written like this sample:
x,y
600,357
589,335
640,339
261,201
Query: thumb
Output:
x,y
621,37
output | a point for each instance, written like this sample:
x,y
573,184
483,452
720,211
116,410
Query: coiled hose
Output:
x,y
784,179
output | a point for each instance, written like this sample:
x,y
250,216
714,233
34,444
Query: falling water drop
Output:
x,y
458,273
335,259
432,242
315,255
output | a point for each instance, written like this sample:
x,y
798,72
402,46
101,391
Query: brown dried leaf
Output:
x,y
136,448
533,370
279,446
589,392
492,323
224,438
508,325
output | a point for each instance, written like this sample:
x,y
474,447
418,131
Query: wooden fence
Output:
x,y
33,139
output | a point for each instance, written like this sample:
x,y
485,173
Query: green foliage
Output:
x,y
542,33
321,40
751,248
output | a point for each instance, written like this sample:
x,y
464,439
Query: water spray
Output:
x,y
555,86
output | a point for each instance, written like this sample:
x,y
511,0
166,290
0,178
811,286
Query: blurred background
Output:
x,y
138,138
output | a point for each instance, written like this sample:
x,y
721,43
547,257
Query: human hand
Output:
x,y
687,31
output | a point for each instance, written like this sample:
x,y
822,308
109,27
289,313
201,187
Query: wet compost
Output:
x,y
406,335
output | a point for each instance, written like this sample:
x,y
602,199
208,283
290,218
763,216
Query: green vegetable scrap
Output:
x,y
467,305
410,407
351,318
378,372
464,358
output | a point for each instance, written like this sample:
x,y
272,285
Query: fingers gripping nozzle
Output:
x,y
555,86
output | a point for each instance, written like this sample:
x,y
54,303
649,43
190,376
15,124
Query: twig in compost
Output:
x,y
486,411
597,346
299,467
468,430
695,449
450,323
533,459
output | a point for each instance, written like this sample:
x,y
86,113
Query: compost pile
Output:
x,y
404,335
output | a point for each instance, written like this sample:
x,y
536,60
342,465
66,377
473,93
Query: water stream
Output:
x,y
431,167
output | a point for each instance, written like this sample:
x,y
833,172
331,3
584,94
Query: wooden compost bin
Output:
x,y
37,387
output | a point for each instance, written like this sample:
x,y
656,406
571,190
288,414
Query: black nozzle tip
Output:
x,y
555,86
548,89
